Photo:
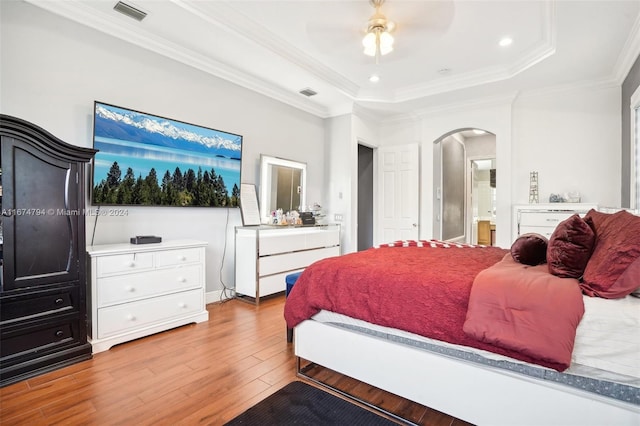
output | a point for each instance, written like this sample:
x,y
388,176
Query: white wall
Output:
x,y
572,139
343,134
339,177
569,136
53,69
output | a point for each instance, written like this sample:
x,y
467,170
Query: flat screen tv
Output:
x,y
145,159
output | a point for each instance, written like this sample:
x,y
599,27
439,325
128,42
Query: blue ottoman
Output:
x,y
290,280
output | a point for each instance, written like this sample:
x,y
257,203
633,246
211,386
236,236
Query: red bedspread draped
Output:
x,y
527,309
422,290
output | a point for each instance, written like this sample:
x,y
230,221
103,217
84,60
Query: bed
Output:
x,y
543,333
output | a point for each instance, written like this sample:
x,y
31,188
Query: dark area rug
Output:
x,y
301,404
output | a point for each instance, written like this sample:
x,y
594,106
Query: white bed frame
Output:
x,y
478,394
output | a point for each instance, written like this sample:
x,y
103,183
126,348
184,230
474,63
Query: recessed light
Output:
x,y
506,41
374,78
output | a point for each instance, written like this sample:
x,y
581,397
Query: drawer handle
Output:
x,y
182,280
59,301
553,220
59,333
182,305
130,289
182,258
131,317
131,264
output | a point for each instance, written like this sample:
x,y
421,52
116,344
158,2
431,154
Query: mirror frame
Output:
x,y
266,163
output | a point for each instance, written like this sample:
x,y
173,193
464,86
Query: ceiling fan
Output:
x,y
378,40
412,22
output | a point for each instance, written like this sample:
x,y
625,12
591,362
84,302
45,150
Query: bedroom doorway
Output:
x,y
455,202
365,197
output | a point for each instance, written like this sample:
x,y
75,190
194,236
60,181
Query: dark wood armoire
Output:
x,y
43,292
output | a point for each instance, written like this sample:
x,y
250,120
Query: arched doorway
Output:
x,y
465,167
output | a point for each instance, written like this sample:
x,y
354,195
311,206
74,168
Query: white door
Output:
x,y
398,190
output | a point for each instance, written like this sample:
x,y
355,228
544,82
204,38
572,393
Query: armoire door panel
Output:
x,y
42,219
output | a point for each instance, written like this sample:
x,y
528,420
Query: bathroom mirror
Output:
x,y
282,186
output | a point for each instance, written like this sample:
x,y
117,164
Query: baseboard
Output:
x,y
217,296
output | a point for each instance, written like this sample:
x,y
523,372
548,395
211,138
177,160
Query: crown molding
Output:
x,y
605,83
473,104
229,18
629,54
130,32
499,100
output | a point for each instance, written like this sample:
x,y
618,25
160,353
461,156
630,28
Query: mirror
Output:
x,y
282,186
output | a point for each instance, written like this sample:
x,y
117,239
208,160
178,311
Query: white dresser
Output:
x,y
543,218
265,255
138,290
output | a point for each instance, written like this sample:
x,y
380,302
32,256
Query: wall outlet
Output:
x,y
337,217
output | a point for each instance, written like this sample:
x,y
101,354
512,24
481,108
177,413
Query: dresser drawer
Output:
x,y
297,239
177,257
135,315
38,340
34,305
298,260
272,243
123,263
124,288
546,231
325,238
272,284
543,218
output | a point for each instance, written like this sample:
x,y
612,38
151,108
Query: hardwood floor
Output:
x,y
203,373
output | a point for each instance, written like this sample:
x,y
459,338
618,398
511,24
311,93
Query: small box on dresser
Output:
x,y
138,290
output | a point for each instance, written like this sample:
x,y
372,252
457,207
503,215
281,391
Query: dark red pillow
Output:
x,y
530,249
570,247
613,270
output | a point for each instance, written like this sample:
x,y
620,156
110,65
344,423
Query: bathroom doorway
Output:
x,y
482,201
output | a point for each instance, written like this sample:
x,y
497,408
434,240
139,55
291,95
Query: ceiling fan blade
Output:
x,y
433,17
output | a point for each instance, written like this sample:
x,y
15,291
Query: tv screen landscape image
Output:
x,y
145,159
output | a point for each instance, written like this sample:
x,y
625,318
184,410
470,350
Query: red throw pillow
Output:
x,y
530,249
570,247
614,268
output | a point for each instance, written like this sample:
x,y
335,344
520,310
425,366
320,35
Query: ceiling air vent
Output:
x,y
130,11
308,92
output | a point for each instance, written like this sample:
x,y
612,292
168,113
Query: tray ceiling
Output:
x,y
445,51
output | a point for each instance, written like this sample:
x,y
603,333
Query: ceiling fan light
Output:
x,y
385,50
386,39
369,43
370,51
386,43
369,39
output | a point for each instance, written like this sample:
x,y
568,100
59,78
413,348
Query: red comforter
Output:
x,y
422,290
